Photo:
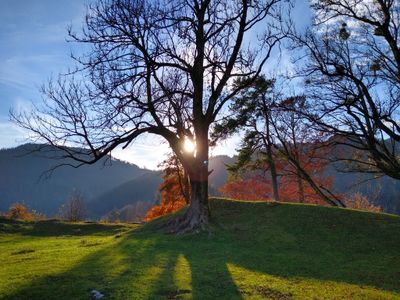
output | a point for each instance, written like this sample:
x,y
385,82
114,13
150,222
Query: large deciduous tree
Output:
x,y
353,74
159,67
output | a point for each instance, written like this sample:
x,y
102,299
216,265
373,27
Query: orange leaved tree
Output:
x,y
175,190
256,183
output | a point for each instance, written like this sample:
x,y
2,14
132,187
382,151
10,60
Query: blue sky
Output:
x,y
33,47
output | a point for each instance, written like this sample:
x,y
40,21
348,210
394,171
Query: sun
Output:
x,y
189,146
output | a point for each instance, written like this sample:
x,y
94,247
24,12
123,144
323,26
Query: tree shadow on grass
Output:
x,y
270,251
139,265
48,228
334,246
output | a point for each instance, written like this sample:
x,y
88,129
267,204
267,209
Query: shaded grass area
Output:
x,y
253,251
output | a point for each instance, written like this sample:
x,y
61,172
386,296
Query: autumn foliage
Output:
x,y
360,202
258,188
251,189
174,190
255,184
19,211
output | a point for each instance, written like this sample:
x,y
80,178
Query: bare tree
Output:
x,y
73,209
353,79
303,146
159,67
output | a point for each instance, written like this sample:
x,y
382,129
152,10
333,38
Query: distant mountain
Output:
x,y
219,174
106,186
383,191
143,188
116,185
20,181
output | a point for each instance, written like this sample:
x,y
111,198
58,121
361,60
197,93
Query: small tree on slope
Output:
x,y
175,190
73,209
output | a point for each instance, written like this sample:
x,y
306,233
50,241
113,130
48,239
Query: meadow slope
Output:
x,y
253,251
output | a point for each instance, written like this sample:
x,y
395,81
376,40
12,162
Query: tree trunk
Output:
x,y
196,218
186,186
300,186
314,186
271,163
274,176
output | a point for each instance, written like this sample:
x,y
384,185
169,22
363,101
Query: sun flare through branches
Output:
x,y
189,146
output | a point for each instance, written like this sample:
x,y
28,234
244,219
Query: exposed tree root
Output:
x,y
189,222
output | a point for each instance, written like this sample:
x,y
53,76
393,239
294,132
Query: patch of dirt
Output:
x,y
24,251
85,243
174,294
269,293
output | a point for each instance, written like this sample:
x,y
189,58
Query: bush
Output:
x,y
360,202
37,216
73,210
19,211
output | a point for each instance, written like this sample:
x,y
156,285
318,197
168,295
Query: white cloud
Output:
x,y
11,135
22,104
147,152
227,147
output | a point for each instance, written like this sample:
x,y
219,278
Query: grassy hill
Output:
x,y
254,251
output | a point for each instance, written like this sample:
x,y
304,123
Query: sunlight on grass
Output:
x,y
44,256
257,285
183,274
142,285
47,255
256,251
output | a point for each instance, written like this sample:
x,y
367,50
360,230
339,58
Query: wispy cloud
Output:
x,y
28,72
33,38
11,135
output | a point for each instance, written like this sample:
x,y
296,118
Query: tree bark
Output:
x,y
297,159
300,186
274,176
186,186
196,217
268,145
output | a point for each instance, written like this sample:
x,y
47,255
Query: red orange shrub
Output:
x,y
19,211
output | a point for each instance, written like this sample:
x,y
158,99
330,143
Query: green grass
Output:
x,y
254,251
